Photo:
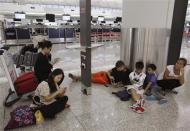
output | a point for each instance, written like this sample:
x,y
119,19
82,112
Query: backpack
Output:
x,y
20,117
123,95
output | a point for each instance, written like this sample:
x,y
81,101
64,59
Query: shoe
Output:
x,y
72,77
174,91
138,109
133,106
151,98
67,106
162,101
106,85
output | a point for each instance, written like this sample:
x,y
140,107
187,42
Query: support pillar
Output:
x,y
176,37
85,41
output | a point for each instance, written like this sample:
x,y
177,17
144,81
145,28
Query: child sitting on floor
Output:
x,y
151,79
137,78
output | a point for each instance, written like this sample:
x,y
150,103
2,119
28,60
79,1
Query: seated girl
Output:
x,y
49,95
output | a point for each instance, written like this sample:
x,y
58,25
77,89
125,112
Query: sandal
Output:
x,y
74,78
67,106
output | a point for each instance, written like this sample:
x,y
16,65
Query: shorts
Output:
x,y
140,92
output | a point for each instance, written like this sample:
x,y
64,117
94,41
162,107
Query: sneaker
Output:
x,y
139,109
133,106
106,85
162,101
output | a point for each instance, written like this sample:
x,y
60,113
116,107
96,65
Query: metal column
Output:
x,y
85,40
178,21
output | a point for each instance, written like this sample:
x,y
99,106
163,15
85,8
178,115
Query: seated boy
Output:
x,y
119,74
137,78
151,79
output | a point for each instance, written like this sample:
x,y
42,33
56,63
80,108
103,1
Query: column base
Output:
x,y
86,90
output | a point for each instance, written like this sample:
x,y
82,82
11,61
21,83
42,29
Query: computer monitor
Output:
x,y
20,15
94,21
16,19
39,20
109,22
100,18
118,19
50,17
66,17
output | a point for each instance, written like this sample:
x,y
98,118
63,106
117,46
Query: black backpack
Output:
x,y
123,95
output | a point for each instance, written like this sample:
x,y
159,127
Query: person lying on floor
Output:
x,y
173,76
137,78
151,84
50,96
117,76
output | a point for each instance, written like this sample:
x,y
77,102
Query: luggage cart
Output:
x,y
10,71
11,75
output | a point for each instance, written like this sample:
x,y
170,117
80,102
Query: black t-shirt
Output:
x,y
121,76
42,67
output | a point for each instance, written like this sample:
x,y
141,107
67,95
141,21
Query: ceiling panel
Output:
x,y
97,3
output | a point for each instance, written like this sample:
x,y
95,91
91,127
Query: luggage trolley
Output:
x,y
14,94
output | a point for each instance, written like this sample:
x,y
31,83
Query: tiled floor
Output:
x,y
102,111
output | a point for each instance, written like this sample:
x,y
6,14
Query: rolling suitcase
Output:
x,y
24,84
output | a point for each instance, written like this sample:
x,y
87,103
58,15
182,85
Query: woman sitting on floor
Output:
x,y
173,76
49,95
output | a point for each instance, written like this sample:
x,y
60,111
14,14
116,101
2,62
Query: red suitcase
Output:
x,y
25,83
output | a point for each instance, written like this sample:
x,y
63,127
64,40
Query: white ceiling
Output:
x,y
97,3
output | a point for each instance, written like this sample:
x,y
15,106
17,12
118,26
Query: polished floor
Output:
x,y
185,51
102,111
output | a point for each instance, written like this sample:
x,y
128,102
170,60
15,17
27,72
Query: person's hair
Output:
x,y
152,66
119,63
44,44
139,65
51,77
184,61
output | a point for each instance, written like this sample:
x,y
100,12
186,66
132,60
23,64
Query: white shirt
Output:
x,y
44,90
171,71
138,78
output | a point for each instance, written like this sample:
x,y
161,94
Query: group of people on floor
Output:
x,y
51,94
138,83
